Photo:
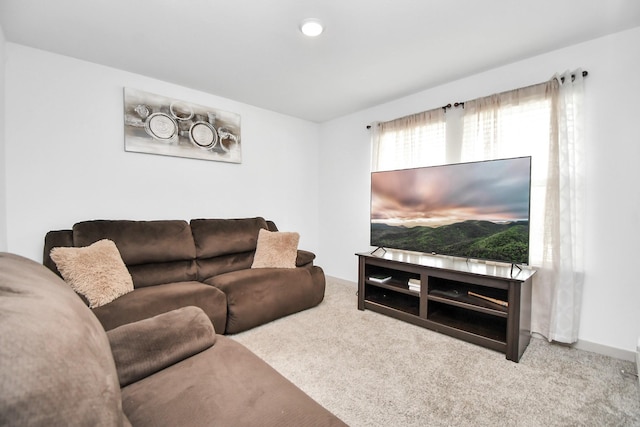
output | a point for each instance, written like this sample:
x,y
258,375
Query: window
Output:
x,y
543,121
412,141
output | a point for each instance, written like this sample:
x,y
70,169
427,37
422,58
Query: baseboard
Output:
x,y
605,350
343,281
638,359
618,353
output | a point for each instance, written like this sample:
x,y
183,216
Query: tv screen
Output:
x,y
476,210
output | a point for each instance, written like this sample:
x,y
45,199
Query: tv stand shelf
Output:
x,y
482,303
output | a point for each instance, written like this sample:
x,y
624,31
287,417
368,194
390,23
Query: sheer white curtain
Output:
x,y
564,241
411,141
542,121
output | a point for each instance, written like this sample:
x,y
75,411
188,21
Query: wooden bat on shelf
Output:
x,y
493,300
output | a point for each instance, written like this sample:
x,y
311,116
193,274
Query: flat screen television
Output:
x,y
477,210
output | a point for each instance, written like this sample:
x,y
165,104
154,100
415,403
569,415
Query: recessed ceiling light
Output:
x,y
311,27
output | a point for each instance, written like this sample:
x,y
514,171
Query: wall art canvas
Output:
x,y
156,124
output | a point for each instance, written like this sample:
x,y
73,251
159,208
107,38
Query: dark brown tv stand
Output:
x,y
482,303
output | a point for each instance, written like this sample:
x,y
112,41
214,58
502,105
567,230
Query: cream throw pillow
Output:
x,y
95,271
276,249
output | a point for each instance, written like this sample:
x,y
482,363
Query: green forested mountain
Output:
x,y
507,242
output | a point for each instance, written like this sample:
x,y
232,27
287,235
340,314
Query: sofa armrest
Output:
x,y
304,258
53,239
145,347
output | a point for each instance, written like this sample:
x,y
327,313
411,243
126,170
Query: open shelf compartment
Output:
x,y
469,296
399,279
474,322
397,300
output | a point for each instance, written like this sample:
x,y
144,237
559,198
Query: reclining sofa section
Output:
x,y
205,263
60,368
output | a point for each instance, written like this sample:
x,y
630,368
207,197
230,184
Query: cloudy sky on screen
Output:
x,y
494,191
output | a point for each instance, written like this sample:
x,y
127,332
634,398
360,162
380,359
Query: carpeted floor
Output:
x,y
372,370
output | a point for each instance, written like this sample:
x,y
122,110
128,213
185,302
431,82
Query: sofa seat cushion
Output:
x,y
153,300
143,348
258,296
225,385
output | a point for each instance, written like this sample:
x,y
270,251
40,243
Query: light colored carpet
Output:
x,y
372,370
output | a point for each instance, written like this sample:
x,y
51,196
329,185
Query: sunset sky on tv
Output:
x,y
496,191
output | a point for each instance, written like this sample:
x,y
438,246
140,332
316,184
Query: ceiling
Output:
x,y
371,52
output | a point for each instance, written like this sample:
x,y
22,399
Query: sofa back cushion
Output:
x,y
57,366
155,252
224,245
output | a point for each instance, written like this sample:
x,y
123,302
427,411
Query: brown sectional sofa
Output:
x,y
58,366
205,263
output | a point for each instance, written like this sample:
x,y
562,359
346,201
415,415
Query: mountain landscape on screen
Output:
x,y
476,210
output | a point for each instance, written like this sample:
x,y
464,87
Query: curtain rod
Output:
x,y
461,104
585,73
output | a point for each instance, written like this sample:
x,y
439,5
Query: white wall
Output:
x,y
66,160
3,176
610,313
